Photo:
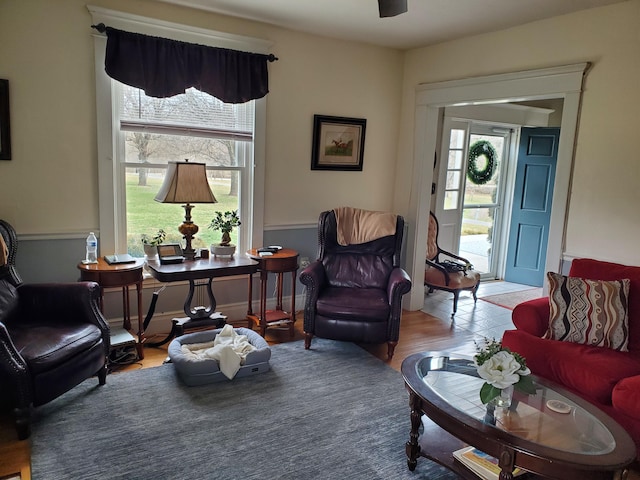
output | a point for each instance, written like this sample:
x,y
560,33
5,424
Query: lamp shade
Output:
x,y
185,182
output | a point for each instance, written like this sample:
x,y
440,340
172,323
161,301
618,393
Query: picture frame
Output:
x,y
5,130
338,143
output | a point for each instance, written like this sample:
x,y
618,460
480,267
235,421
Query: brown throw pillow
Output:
x,y
590,312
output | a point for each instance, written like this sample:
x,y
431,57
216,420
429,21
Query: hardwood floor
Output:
x,y
419,332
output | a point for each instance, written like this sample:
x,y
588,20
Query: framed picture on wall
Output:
x,y
338,143
5,131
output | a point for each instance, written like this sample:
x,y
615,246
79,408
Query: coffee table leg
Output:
x,y
505,462
412,447
621,474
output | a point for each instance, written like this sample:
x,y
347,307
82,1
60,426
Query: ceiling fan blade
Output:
x,y
391,8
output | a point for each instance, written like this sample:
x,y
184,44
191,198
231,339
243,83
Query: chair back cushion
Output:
x,y
598,270
8,298
365,265
9,238
4,252
432,238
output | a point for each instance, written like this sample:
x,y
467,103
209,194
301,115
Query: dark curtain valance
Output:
x,y
163,67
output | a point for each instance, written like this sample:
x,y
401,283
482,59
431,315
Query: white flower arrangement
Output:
x,y
501,368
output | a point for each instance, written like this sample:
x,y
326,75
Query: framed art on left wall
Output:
x,y
5,131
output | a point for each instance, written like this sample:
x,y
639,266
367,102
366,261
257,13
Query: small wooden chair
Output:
x,y
439,277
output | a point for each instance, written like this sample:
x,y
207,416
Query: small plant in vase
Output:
x,y
151,243
224,223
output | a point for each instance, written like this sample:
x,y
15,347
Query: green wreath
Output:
x,y
480,177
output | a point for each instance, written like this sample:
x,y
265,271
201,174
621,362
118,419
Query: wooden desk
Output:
x,y
200,269
122,275
285,260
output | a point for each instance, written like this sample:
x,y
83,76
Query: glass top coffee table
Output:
x,y
534,433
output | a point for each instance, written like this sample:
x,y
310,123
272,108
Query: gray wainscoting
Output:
x,y
55,260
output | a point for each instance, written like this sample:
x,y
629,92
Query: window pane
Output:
x,y
453,180
146,216
190,108
450,200
457,138
486,194
455,159
156,148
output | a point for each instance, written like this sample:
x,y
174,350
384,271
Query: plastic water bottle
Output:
x,y
92,249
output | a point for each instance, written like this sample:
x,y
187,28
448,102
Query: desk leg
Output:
x,y
199,312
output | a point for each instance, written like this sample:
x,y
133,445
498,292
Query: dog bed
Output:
x,y
207,370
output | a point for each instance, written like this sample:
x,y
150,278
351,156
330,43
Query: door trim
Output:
x,y
558,82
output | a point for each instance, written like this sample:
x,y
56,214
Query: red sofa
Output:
x,y
609,379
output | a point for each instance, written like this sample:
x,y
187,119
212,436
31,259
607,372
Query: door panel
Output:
x,y
451,181
531,212
482,205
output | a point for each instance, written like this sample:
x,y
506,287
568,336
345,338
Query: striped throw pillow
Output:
x,y
590,312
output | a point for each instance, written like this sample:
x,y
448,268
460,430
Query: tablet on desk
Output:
x,y
169,253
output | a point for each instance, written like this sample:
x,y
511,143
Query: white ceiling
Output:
x,y
427,21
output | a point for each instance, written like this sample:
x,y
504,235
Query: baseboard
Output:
x,y
236,313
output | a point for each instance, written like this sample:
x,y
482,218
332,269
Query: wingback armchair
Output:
x,y
354,291
52,336
438,277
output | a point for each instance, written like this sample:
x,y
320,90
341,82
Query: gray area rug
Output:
x,y
333,412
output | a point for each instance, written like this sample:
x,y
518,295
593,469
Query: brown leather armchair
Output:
x,y
354,292
439,277
52,337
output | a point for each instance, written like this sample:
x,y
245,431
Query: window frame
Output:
x,y
111,184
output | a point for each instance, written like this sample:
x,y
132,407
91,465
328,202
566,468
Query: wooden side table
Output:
x,y
121,275
285,260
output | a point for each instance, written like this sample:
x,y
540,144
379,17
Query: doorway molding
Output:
x,y
563,82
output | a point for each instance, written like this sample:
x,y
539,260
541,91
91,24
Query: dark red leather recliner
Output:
x,y
354,292
52,337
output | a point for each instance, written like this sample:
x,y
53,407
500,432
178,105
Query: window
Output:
x,y
138,135
194,126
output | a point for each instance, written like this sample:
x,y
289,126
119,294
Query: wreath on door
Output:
x,y
479,149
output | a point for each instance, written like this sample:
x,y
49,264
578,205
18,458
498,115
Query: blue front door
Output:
x,y
531,212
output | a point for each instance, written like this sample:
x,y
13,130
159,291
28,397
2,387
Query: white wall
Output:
x,y
603,221
49,189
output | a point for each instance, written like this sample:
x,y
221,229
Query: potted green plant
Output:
x,y
224,223
151,243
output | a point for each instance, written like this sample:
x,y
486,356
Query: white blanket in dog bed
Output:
x,y
229,349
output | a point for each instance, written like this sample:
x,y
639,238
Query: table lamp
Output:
x,y
186,183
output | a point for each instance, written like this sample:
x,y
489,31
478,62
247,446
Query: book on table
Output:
x,y
483,465
119,258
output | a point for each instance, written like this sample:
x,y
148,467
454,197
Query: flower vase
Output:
x,y
150,252
504,399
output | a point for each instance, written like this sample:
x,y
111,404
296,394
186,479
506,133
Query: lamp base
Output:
x,y
188,229
189,255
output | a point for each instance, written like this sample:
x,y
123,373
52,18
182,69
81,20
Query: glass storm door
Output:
x,y
469,214
480,232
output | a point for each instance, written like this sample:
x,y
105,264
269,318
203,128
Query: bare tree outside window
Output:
x,y
194,126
